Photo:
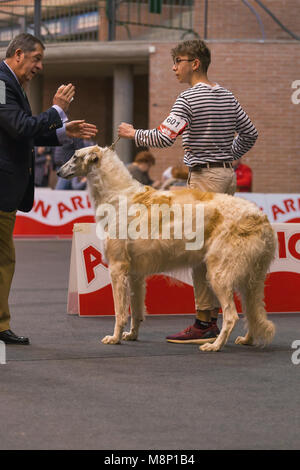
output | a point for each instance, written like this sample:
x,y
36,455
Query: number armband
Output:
x,y
172,126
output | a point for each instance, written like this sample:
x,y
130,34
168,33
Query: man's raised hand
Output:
x,y
64,96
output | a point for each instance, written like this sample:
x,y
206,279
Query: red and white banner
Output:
x,y
278,207
90,292
55,212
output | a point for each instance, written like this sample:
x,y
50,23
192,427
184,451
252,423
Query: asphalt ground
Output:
x,y
68,391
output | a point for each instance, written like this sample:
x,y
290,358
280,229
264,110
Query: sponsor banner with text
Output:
x,y
54,213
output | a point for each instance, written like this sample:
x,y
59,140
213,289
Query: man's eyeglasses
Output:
x,y
177,60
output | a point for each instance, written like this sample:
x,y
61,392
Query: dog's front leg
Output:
x,y
137,297
120,287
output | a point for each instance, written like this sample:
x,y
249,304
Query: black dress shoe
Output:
x,y
8,337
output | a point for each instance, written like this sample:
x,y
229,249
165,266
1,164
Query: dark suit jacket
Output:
x,y
19,133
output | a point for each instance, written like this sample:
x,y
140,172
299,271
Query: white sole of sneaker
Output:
x,y
192,341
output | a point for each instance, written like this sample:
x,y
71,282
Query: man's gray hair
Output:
x,y
24,41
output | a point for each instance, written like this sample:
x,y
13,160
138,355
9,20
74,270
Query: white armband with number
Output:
x,y
172,126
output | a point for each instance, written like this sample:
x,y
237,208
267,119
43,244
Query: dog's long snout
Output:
x,y
64,172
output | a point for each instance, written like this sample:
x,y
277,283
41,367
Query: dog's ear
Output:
x,y
93,158
94,155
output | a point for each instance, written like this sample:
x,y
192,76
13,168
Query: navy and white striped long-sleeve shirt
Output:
x,y
209,119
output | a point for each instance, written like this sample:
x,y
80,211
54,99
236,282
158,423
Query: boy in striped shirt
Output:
x,y
215,131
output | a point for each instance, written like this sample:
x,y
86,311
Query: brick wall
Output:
x,y
260,76
138,17
232,19
229,19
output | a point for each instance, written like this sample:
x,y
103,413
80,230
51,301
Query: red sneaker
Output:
x,y
195,335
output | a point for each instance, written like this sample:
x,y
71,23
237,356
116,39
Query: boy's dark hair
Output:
x,y
24,41
194,49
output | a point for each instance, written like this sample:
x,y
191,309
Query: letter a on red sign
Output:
x,y
92,259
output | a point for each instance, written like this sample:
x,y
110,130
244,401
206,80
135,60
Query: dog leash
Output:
x,y
112,147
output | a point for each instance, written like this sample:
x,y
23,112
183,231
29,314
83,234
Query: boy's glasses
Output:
x,y
177,60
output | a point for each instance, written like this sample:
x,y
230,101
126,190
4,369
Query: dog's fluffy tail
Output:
x,y
260,328
263,331
259,254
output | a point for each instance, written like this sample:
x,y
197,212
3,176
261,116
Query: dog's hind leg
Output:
x,y
137,305
120,287
230,317
220,279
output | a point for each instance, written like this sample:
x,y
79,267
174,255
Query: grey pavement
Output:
x,y
67,390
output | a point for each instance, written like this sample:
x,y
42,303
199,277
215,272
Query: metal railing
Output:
x,y
77,22
277,21
81,20
141,17
92,20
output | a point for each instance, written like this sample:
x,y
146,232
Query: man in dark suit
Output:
x,y
19,133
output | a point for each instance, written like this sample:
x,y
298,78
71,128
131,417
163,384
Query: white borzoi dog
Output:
x,y
237,248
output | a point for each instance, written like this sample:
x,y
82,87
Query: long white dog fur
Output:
x,y
239,245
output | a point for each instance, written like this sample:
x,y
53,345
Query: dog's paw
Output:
x,y
128,336
110,340
209,347
243,340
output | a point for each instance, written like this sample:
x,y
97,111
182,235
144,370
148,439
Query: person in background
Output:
x,y
179,176
243,176
167,174
79,183
140,167
43,163
62,154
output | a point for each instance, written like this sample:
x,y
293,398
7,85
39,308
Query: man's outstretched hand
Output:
x,y
81,129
